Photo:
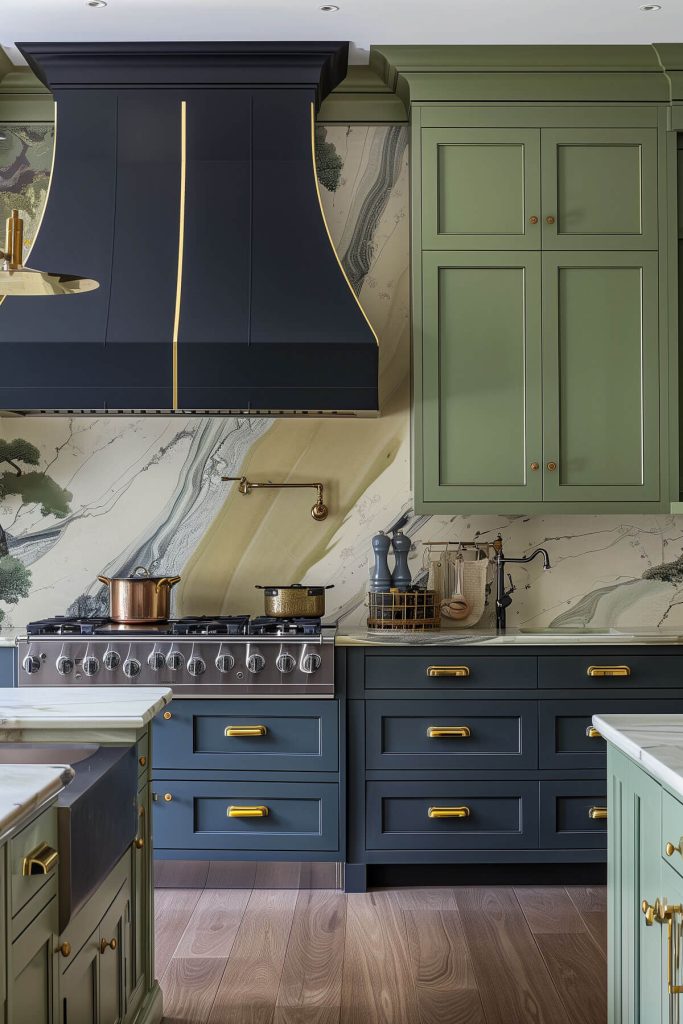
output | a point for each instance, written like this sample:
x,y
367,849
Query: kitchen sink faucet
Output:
x,y
503,596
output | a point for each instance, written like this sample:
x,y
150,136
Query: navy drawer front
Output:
x,y
502,734
301,816
563,725
7,658
565,820
502,815
644,670
411,671
299,736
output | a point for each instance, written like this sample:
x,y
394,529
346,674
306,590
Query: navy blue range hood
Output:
x,y
184,183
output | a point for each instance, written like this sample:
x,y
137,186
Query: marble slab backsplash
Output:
x,y
84,496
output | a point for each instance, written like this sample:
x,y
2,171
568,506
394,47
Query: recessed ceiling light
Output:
x,y
651,7
329,8
97,3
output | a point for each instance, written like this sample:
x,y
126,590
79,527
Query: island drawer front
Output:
x,y
672,831
301,816
502,734
641,671
300,735
564,741
565,820
502,815
410,670
24,887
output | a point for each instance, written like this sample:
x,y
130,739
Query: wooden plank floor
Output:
x,y
468,955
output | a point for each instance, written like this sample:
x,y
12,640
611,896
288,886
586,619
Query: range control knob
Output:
x,y
91,665
156,660
225,662
65,666
31,663
196,666
255,663
285,662
131,667
174,661
112,660
310,663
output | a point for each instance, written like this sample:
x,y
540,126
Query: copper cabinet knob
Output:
x,y
550,220
551,466
65,949
533,220
143,761
534,466
104,945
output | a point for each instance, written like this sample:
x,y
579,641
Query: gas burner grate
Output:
x,y
63,625
210,625
265,625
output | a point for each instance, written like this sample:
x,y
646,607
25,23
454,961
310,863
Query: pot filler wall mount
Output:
x,y
184,184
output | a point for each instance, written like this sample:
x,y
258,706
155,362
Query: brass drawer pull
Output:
x,y
40,861
259,811
441,671
436,732
592,733
246,730
611,671
597,813
105,945
448,812
670,849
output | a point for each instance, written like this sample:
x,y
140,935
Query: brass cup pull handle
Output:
x,y
448,812
550,220
40,861
448,671
670,849
597,813
257,811
246,730
592,733
107,944
436,732
608,671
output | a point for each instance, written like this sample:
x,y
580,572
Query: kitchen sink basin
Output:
x,y
96,813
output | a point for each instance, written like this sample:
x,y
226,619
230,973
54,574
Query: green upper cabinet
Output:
x,y
599,188
483,188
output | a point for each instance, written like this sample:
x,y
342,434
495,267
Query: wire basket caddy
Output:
x,y
395,609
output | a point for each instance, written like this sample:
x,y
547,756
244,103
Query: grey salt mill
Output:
x,y
380,577
400,577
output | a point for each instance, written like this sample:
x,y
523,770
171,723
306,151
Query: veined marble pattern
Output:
x,y
122,492
25,787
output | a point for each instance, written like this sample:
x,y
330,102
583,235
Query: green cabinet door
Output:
x,y
481,376
599,188
480,188
78,985
32,971
115,973
600,377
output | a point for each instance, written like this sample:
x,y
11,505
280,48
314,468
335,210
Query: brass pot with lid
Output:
x,y
139,598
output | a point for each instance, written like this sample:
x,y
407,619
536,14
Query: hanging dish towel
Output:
x,y
474,579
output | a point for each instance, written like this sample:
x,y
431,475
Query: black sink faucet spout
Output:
x,y
503,596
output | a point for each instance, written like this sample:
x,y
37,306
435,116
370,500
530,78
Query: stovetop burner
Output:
x,y
209,625
199,625
265,625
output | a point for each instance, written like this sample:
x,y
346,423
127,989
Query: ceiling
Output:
x,y
361,21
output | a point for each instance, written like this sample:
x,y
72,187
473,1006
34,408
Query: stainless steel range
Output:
x,y
228,656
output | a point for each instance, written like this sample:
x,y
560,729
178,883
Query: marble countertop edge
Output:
x,y
81,707
653,741
24,788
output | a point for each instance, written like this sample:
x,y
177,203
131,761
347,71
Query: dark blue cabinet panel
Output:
x,y
415,670
502,734
7,666
643,670
565,820
300,736
501,815
301,816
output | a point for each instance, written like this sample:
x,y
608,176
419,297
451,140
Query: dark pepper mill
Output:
x,y
380,577
400,577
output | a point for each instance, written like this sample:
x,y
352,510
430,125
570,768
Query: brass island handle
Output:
x,y
105,945
550,220
440,731
139,843
534,466
597,813
440,671
670,849
592,733
608,671
65,949
258,811
40,861
246,730
650,911
551,466
448,812
533,220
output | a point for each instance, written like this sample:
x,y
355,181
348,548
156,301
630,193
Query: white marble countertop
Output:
x,y
653,741
511,638
84,708
24,787
7,639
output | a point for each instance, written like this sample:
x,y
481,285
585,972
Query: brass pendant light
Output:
x,y
16,279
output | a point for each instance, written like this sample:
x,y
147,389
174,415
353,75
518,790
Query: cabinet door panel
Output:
x,y
481,376
31,970
600,188
600,377
480,187
114,966
78,986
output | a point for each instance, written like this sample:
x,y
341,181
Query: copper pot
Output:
x,y
295,601
139,598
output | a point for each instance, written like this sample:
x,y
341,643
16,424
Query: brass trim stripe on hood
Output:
x,y
181,246
327,228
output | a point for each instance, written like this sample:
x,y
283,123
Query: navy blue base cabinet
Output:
x,y
462,755
8,666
